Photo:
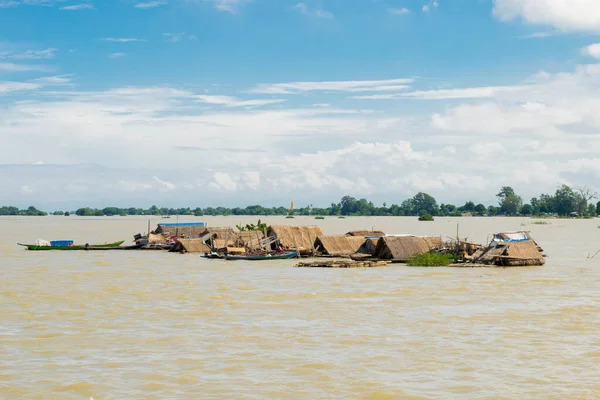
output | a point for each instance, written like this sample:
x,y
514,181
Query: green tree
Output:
x,y
480,209
584,195
510,203
527,209
424,203
468,207
565,200
591,211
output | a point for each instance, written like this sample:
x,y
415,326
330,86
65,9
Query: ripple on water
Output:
x,y
124,325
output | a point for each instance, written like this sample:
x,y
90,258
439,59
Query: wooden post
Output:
x,y
312,244
296,244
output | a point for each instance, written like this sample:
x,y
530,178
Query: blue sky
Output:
x,y
202,102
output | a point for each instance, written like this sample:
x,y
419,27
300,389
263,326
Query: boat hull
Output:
x,y
73,248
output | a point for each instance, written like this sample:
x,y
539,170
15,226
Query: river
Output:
x,y
153,325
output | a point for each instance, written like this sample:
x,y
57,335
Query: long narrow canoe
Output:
x,y
283,256
77,247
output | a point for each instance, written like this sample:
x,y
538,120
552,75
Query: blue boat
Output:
x,y
284,256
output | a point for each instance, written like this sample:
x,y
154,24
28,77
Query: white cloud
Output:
x,y
233,102
8,3
593,50
123,40
176,37
333,86
77,7
26,190
230,6
11,67
116,55
548,127
399,11
571,15
223,181
6,87
164,186
318,12
428,7
59,80
150,4
30,54
447,94
538,35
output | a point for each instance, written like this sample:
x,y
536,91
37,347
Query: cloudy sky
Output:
x,y
236,102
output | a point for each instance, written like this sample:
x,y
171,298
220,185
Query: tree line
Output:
x,y
565,201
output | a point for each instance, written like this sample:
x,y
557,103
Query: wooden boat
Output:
x,y
73,247
262,257
213,256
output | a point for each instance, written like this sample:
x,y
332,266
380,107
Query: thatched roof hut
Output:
x,y
338,246
157,239
190,246
217,233
184,229
305,236
510,250
367,248
365,233
401,248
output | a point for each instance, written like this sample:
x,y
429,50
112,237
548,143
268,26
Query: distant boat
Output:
x,y
68,245
284,256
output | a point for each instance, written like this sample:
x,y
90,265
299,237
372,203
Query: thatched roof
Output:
x,y
190,246
217,233
305,236
338,246
365,233
368,247
190,230
401,248
156,239
510,254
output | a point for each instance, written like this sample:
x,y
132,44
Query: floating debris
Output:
x,y
342,263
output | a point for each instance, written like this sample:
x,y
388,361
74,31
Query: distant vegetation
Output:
x,y
31,211
426,217
430,260
565,202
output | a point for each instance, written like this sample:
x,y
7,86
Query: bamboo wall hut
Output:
x,y
401,248
338,246
365,233
305,237
190,246
253,240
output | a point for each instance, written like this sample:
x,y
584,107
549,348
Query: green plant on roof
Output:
x,y
260,226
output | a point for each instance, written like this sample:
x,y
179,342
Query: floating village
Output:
x,y
312,248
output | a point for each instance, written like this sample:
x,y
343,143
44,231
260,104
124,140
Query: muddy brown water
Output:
x,y
153,325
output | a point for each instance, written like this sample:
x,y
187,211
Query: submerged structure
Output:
x,y
401,248
510,249
301,238
338,246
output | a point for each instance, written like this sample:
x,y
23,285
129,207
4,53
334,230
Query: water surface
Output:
x,y
153,325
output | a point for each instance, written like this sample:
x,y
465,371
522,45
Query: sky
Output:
x,y
237,102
